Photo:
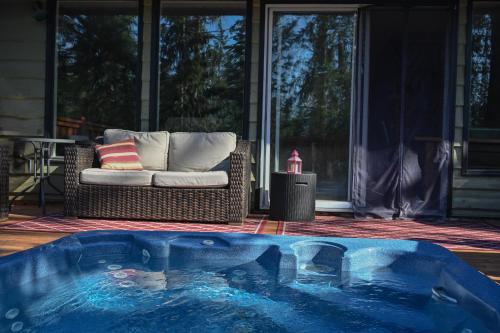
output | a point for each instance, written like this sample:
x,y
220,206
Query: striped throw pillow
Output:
x,y
120,155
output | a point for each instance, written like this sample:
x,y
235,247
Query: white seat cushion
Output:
x,y
200,151
97,176
190,179
152,147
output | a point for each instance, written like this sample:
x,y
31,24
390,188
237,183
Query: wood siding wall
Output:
x,y
22,69
254,73
472,195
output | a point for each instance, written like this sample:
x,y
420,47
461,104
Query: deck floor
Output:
x,y
11,241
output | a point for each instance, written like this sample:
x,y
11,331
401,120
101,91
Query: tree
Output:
x,y
311,91
202,73
97,69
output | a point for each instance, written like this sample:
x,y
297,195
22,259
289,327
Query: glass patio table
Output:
x,y
43,148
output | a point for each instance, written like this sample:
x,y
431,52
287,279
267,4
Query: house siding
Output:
x,y
22,84
471,195
254,72
22,69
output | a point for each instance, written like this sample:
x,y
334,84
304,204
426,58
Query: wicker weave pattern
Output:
x,y
4,182
239,185
293,196
142,202
76,159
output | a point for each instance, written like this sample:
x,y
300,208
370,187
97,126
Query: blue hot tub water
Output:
x,y
207,282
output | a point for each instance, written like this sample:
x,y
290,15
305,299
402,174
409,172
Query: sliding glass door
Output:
x,y
308,96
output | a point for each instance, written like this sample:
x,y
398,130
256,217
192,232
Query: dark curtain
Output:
x,y
402,149
492,115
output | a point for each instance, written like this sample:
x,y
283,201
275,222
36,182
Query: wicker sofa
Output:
x,y
4,183
226,204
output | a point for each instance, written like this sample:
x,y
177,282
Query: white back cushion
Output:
x,y
200,151
152,147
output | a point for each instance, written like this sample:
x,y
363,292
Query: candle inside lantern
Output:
x,y
294,163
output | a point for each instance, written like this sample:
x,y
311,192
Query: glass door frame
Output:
x,y
265,143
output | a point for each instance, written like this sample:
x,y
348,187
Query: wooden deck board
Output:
x,y
487,262
12,241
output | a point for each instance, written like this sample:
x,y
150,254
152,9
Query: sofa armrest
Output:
x,y
239,182
4,182
76,159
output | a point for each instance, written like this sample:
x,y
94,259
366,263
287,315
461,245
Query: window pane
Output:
x,y
202,69
97,52
312,61
484,116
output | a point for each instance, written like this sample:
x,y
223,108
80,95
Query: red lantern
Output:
x,y
294,163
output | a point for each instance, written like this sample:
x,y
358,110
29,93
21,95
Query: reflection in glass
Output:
x,y
97,64
484,99
312,61
202,71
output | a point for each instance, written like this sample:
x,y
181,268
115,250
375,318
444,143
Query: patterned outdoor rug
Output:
x,y
457,235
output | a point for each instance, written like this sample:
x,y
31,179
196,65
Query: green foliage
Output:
x,y
485,68
97,69
312,73
202,73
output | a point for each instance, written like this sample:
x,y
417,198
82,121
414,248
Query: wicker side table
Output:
x,y
4,183
293,197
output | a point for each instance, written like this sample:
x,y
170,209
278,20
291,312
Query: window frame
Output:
x,y
268,8
466,170
50,110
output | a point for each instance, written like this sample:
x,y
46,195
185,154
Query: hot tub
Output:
x,y
212,282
